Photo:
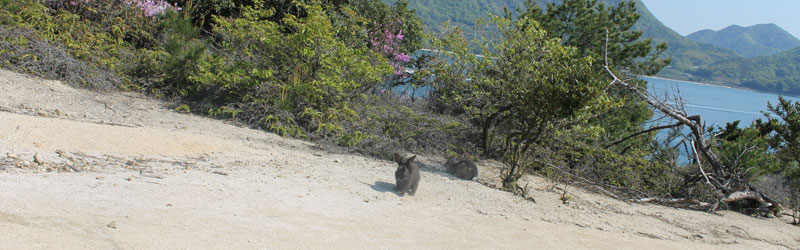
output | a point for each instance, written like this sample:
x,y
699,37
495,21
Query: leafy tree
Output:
x,y
521,87
786,139
594,28
351,19
746,149
184,48
583,24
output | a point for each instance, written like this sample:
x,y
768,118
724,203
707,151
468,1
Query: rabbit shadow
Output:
x,y
384,187
437,169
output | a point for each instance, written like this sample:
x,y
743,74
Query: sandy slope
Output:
x,y
150,178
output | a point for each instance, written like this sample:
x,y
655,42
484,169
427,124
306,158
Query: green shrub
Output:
x,y
525,83
21,50
631,174
184,50
392,123
108,35
281,77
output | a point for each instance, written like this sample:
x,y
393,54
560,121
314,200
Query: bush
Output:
x,y
520,89
106,35
183,51
291,79
391,123
21,50
632,175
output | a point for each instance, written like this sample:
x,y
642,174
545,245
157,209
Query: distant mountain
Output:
x,y
459,12
691,60
686,54
778,73
756,40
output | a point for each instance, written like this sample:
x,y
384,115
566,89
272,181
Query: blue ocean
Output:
x,y
717,105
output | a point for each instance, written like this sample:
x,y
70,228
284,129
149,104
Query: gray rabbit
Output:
x,y
407,175
462,167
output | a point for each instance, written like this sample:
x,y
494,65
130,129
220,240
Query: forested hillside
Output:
x,y
778,73
690,60
686,54
756,40
463,13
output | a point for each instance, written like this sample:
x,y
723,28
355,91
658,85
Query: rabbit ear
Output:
x,y
398,158
410,160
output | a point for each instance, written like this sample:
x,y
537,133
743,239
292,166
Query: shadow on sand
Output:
x,y
383,187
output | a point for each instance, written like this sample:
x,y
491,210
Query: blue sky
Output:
x,y
718,14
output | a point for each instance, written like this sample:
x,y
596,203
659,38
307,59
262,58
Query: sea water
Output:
x,y
716,105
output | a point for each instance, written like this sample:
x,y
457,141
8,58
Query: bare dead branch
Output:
x,y
643,132
700,166
693,122
728,184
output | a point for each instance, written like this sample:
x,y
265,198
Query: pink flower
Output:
x,y
387,49
150,7
403,58
72,3
399,35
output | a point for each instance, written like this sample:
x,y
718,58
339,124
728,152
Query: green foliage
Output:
x,y
184,49
777,73
461,13
282,125
522,86
568,153
108,35
585,24
350,19
685,55
287,66
746,150
183,109
284,76
786,139
393,124
353,139
373,13
22,50
607,33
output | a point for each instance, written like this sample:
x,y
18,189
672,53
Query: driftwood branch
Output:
x,y
673,201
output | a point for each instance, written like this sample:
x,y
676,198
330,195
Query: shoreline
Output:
x,y
693,82
724,86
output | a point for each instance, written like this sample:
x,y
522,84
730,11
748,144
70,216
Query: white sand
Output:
x,y
175,181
